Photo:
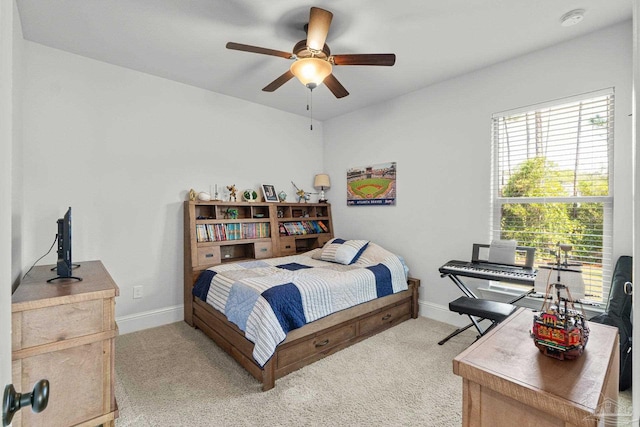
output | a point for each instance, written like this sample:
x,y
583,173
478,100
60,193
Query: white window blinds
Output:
x,y
551,182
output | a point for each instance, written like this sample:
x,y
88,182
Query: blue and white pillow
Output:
x,y
343,251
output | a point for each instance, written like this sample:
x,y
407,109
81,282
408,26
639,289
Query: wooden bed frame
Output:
x,y
308,343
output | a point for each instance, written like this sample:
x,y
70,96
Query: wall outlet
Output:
x,y
137,292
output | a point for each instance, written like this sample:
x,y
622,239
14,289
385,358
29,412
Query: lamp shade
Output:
x,y
322,181
311,71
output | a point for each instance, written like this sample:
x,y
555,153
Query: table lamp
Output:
x,y
321,182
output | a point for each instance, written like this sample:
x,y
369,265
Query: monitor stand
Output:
x,y
79,279
72,266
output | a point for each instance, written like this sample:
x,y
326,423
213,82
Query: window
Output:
x,y
551,182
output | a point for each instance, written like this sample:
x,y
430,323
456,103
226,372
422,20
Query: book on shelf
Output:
x,y
291,230
297,228
324,227
232,231
201,234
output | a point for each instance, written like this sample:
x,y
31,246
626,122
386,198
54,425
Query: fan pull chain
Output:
x,y
310,107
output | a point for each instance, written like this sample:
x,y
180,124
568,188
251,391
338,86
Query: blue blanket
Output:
x,y
268,298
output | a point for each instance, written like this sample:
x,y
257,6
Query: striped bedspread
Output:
x,y
268,298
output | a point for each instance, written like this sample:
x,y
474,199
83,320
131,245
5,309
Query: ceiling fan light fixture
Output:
x,y
311,71
572,18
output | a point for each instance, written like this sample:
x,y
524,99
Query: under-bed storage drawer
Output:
x,y
315,345
394,314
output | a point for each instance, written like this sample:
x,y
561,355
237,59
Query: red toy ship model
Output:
x,y
559,330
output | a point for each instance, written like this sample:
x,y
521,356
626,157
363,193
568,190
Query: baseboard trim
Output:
x,y
442,314
150,319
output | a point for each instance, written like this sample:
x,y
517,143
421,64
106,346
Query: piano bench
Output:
x,y
486,309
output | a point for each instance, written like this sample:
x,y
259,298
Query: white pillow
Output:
x,y
343,251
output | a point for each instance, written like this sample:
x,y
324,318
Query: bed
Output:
x,y
276,315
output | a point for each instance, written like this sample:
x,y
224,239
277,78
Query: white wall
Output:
x,y
123,148
9,33
440,137
16,152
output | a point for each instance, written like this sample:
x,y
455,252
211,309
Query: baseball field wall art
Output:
x,y
372,185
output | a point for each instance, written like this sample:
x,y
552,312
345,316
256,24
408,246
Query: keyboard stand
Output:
x,y
495,318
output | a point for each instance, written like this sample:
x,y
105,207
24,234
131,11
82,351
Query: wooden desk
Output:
x,y
65,332
507,381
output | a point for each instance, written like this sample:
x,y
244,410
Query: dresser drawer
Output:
x,y
57,323
287,246
385,317
315,345
209,255
263,250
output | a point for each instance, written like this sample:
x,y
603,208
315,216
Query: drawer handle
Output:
x,y
387,316
208,256
322,343
288,246
263,249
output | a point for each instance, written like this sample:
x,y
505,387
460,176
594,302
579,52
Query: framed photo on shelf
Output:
x,y
269,193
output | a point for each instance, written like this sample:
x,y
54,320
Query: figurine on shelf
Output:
x,y
282,196
302,195
204,196
232,192
250,195
193,196
559,330
231,213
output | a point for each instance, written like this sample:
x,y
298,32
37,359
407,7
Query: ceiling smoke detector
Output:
x,y
572,18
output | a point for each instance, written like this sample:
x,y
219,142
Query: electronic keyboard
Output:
x,y
490,271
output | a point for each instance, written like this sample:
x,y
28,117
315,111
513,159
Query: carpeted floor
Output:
x,y
174,375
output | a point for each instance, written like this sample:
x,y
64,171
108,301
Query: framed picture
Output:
x,y
372,185
269,193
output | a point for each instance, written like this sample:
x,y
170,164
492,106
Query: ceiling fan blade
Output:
x,y
387,59
288,75
319,22
335,86
256,49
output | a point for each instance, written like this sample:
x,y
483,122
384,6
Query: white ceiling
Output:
x,y
184,40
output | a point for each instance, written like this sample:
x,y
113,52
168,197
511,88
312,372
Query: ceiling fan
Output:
x,y
313,62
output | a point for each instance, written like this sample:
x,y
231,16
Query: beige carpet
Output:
x,y
175,376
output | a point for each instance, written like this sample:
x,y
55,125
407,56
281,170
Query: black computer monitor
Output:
x,y
64,266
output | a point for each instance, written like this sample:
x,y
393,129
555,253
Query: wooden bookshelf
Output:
x,y
302,226
218,232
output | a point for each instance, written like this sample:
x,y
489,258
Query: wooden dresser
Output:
x,y
507,381
65,332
